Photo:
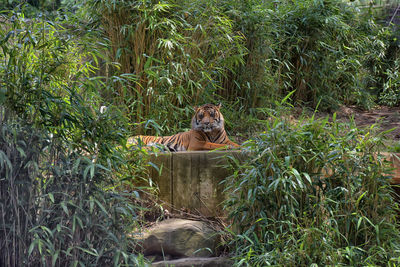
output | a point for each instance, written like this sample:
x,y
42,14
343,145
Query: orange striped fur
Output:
x,y
207,133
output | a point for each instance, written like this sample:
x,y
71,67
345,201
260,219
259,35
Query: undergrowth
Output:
x,y
313,192
64,180
54,208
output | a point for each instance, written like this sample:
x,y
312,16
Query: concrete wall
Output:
x,y
192,180
394,159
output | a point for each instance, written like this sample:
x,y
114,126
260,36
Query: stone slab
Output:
x,y
180,238
196,262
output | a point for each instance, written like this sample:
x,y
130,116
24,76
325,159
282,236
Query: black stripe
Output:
x,y
218,136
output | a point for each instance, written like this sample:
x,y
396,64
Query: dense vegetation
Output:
x,y
313,193
62,174
79,77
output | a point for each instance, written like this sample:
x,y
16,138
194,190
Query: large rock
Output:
x,y
195,262
179,238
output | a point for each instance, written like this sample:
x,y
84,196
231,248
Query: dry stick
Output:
x,y
176,213
7,256
395,13
138,45
14,203
150,44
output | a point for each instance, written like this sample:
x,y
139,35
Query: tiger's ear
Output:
x,y
218,106
195,108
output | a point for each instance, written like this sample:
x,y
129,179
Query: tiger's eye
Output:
x,y
201,116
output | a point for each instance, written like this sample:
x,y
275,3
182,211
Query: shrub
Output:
x,y
321,49
313,192
62,196
389,79
54,210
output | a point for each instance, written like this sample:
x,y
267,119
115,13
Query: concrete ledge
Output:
x,y
191,180
394,159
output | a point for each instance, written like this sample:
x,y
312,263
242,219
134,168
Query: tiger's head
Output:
x,y
208,118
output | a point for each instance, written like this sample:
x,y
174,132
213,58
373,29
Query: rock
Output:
x,y
180,238
195,262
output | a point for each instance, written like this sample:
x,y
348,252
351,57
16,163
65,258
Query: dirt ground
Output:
x,y
386,117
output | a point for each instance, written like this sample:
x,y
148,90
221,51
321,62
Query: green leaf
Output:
x,y
298,178
76,165
3,97
101,206
117,257
287,97
148,62
4,158
55,257
119,53
40,246
307,176
359,198
64,207
31,247
91,205
73,223
92,170
92,252
51,196
102,167
359,222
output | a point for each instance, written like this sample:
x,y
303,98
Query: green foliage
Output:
x,y
175,52
390,94
389,81
54,210
63,195
247,54
32,7
313,192
321,49
48,79
41,69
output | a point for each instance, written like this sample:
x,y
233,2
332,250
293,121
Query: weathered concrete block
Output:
x,y
394,159
163,176
192,180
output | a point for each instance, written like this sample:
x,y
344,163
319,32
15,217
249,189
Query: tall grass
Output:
x,y
175,52
321,49
313,192
247,54
54,210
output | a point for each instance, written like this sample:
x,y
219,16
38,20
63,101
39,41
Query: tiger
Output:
x,y
207,133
